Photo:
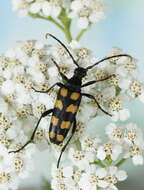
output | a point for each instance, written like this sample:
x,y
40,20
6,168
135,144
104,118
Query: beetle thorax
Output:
x,y
76,80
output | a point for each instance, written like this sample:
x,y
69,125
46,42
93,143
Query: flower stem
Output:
x,y
63,18
99,163
66,23
68,34
80,34
78,145
108,161
120,162
47,18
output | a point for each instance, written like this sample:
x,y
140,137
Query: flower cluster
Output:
x,y
87,11
94,178
96,165
13,167
29,64
44,7
129,140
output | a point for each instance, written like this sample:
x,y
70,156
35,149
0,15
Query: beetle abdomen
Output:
x,y
64,113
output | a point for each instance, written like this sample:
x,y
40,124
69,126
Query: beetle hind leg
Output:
x,y
44,114
63,149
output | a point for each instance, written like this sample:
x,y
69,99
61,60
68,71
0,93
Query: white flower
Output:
x,y
23,165
109,149
14,131
8,87
133,135
46,8
95,17
52,71
46,100
134,144
23,97
121,115
113,176
82,23
90,143
80,158
3,106
9,180
60,173
35,7
93,179
135,89
62,177
124,114
114,132
108,92
135,152
5,157
39,44
138,160
83,115
86,11
51,9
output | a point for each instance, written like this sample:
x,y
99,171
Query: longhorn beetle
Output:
x,y
67,102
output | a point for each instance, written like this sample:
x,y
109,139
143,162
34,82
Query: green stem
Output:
x,y
67,24
47,18
108,163
80,34
108,160
120,162
118,90
99,163
67,33
78,145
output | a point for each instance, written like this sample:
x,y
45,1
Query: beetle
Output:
x,y
67,103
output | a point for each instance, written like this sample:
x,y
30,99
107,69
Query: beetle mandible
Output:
x,y
67,102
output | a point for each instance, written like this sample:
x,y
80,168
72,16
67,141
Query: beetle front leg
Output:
x,y
58,84
63,149
93,98
44,114
64,77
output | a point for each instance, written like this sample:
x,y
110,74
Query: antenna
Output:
x,y
48,34
106,58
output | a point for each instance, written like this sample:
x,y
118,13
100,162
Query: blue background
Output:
x,y
123,27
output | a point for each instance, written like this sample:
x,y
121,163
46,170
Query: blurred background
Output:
x,y
124,28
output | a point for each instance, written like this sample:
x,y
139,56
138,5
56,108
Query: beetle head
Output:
x,y
80,72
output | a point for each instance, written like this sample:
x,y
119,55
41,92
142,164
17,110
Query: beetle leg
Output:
x,y
64,77
44,114
92,97
95,81
58,84
63,149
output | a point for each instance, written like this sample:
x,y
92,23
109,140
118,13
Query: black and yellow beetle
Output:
x,y
67,102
